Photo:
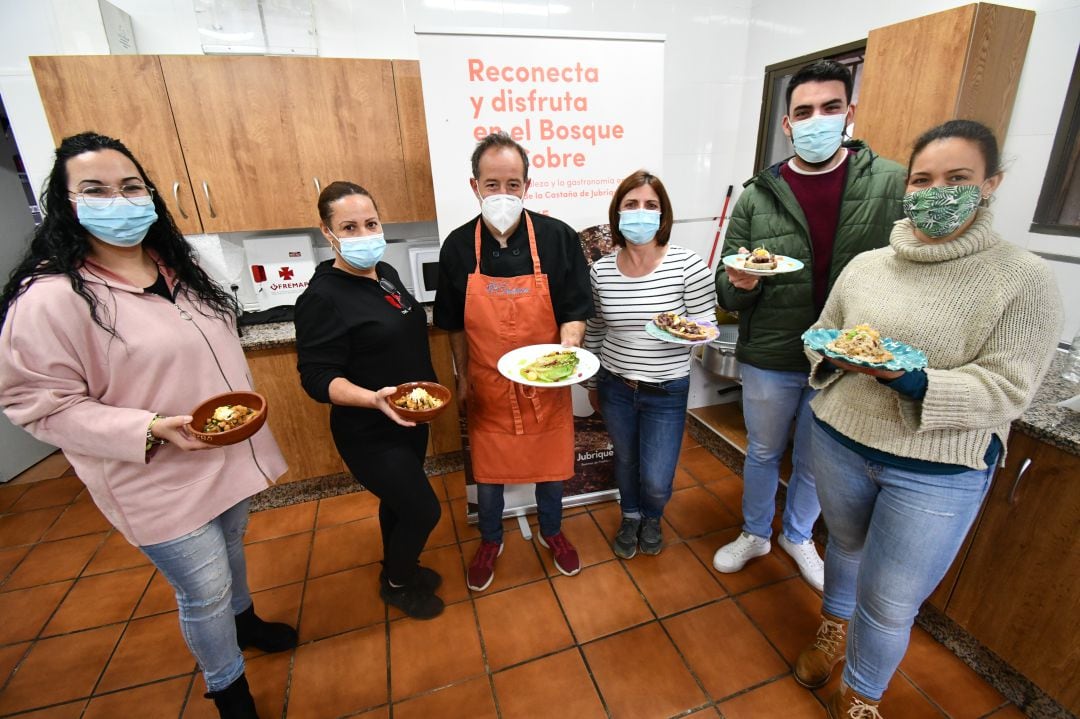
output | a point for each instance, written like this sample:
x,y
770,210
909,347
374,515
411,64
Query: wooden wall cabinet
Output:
x,y
246,143
962,63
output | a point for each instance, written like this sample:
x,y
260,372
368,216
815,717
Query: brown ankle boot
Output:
x,y
815,664
847,704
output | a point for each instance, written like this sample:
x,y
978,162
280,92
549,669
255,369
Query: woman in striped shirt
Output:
x,y
643,383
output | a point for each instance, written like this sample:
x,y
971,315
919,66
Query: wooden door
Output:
x,y
414,141
122,96
1017,590
347,129
236,120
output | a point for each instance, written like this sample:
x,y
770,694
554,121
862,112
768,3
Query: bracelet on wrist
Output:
x,y
151,440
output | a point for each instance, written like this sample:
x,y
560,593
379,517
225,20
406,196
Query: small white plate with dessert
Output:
x,y
762,262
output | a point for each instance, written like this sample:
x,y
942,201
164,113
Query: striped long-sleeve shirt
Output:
x,y
682,284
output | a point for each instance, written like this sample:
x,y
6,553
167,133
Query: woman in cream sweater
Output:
x,y
904,459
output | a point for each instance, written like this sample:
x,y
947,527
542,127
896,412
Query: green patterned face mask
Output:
x,y
940,211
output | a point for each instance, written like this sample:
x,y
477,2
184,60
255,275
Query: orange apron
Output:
x,y
517,434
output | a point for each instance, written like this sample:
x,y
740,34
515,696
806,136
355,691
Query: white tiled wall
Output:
x,y
715,57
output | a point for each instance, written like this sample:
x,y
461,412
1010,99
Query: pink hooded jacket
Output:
x,y
70,383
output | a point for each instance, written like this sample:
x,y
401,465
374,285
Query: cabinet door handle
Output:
x,y
1024,466
318,187
176,199
209,202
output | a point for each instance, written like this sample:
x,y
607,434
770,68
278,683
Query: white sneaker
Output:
x,y
733,556
805,555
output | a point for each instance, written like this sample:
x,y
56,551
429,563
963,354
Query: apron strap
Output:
x,y
529,393
532,245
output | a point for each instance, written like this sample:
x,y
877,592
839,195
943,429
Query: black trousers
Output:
x,y
393,470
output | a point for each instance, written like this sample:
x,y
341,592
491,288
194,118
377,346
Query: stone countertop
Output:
x,y
280,334
1054,425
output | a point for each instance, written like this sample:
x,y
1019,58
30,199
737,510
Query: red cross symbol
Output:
x,y
285,273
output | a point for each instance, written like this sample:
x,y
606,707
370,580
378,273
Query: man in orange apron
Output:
x,y
508,279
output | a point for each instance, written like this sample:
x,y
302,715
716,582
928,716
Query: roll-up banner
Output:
x,y
588,108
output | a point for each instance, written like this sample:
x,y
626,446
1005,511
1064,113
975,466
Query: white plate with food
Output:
x,y
763,262
548,365
673,328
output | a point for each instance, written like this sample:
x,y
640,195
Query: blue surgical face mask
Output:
x,y
639,226
119,222
363,253
818,138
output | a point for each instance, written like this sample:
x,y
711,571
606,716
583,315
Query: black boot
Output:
x,y
267,636
234,701
425,580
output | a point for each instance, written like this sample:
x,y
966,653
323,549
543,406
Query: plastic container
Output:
x,y
1071,370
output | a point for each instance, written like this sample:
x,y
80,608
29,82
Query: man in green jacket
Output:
x,y
828,203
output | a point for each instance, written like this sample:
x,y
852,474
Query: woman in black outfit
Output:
x,y
359,333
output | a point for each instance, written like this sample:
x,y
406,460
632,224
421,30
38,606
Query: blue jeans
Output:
x,y
646,426
892,536
772,400
208,572
489,501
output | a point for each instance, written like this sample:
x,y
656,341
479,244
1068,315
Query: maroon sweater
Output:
x,y
819,196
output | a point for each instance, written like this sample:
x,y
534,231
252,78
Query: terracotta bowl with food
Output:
x,y
228,418
420,401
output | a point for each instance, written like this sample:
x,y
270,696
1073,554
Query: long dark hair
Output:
x,y
60,244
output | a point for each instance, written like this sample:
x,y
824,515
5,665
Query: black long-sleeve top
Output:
x,y
347,326
561,259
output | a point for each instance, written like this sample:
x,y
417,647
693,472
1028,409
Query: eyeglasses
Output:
x,y
135,193
394,296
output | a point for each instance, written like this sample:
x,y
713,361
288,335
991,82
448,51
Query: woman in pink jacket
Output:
x,y
111,332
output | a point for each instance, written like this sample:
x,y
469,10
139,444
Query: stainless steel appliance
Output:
x,y
718,357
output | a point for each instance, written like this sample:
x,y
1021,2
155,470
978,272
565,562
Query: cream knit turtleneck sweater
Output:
x,y
986,313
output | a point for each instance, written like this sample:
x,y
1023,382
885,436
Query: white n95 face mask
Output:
x,y
501,211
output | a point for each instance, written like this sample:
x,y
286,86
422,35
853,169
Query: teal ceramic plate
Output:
x,y
905,357
656,333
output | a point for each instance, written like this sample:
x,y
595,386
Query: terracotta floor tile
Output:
x,y
953,685
116,553
379,713
159,597
517,565
683,479
526,691
673,580
465,531
280,522
901,701
80,517
468,700
152,648
26,527
756,573
59,669
444,533
49,493
10,558
64,711
437,486
10,493
99,600
1008,712
340,602
729,491
783,698
342,674
455,484
419,664
54,561
280,604
709,713
788,613
591,544
509,640
688,440
33,607
703,464
344,546
10,656
153,701
724,649
55,465
641,675
601,600
608,516
346,508
277,561
266,675
694,512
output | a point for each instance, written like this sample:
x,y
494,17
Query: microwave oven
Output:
x,y
424,268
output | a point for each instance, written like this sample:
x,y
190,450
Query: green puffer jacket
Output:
x,y
774,314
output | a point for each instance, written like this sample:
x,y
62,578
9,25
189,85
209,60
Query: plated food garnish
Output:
x,y
759,259
551,367
861,342
418,400
682,327
228,417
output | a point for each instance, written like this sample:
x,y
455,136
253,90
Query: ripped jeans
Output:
x,y
892,536
208,572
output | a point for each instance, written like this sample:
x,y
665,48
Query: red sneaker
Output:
x,y
482,570
562,552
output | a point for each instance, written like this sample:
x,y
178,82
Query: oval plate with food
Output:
x,y
548,366
905,357
655,331
783,264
